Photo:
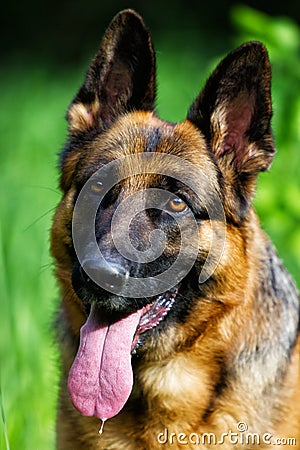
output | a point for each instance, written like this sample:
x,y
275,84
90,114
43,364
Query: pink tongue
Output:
x,y
101,379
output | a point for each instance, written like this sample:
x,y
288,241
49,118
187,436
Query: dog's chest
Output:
x,y
175,386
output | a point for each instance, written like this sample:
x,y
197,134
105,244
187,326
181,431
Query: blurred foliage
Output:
x,y
33,102
278,199
31,130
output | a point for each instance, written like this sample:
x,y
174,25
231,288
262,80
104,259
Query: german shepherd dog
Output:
x,y
179,325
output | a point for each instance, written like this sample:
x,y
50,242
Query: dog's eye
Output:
x,y
176,205
97,187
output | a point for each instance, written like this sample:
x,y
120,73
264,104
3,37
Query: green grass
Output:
x,y
32,132
33,104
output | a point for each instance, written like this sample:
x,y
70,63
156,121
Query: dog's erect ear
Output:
x,y
234,112
120,78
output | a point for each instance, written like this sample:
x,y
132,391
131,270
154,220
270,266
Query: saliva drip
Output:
x,y
102,425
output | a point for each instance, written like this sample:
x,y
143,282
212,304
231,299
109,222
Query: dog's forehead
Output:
x,y
143,132
143,147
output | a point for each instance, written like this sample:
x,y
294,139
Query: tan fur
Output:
x,y
82,117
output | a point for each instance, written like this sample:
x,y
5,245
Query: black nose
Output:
x,y
107,275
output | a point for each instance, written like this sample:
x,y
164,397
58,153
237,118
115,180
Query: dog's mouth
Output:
x,y
101,378
153,314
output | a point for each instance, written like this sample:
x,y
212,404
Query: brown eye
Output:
x,y
97,187
176,205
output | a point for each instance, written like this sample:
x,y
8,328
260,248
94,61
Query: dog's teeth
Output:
x,y
169,303
160,301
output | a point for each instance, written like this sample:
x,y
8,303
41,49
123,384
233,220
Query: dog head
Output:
x,y
141,233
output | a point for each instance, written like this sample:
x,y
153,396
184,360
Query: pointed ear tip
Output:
x,y
257,44
129,21
128,12
128,15
256,47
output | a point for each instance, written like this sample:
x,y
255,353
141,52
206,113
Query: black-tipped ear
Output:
x,y
120,78
234,113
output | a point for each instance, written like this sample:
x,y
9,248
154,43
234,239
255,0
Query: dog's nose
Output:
x,y
107,275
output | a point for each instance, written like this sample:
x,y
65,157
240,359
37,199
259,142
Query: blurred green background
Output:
x,y
45,50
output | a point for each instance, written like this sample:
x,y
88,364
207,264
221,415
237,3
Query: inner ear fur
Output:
x,y
121,77
234,113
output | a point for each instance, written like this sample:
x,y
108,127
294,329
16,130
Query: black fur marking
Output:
x,y
153,140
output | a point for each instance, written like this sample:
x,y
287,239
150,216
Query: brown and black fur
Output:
x,y
229,349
